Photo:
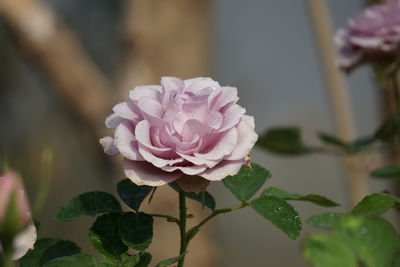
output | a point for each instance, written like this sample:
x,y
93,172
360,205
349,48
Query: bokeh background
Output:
x,y
65,63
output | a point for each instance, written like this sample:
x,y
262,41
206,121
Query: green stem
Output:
x,y
182,225
193,231
169,218
6,259
396,89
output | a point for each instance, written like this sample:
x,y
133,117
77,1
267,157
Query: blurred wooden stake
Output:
x,y
341,102
59,54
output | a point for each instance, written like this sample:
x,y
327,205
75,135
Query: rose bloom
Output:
x,y
192,131
372,35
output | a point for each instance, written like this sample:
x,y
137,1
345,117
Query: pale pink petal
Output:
x,y
227,95
24,241
113,120
150,107
215,119
199,161
171,83
125,141
192,183
144,173
222,170
246,139
150,91
155,159
223,146
193,128
189,170
232,117
142,134
108,145
126,110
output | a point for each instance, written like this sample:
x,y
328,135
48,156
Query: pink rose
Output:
x,y
178,130
370,35
11,186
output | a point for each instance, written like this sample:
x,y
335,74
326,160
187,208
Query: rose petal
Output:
x,y
24,241
222,170
150,91
157,160
189,170
223,146
144,173
193,128
113,120
192,183
127,110
108,145
232,117
142,134
246,139
125,141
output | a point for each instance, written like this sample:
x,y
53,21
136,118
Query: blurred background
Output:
x,y
65,63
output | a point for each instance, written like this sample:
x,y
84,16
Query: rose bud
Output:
x,y
15,214
371,36
189,131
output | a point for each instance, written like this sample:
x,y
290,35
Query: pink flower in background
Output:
x,y
371,35
11,186
182,129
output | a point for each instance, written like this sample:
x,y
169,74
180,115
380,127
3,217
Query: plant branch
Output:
x,y
169,218
192,232
182,225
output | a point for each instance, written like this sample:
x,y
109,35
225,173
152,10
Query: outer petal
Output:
x,y
108,145
151,91
155,160
113,120
246,139
144,173
127,110
24,241
189,170
192,183
125,141
222,170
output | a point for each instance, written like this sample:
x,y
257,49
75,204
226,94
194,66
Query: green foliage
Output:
x,y
124,260
104,235
59,249
386,172
205,198
329,251
280,213
247,181
170,261
373,240
132,194
316,199
283,140
136,230
145,259
77,260
325,220
88,204
376,204
390,128
348,147
33,257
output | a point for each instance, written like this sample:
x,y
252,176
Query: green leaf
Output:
x,y
396,261
204,198
105,237
247,181
280,213
372,239
328,251
332,140
316,199
325,220
32,258
390,128
170,261
88,204
376,204
60,249
284,140
129,260
145,259
77,260
386,172
136,230
132,194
